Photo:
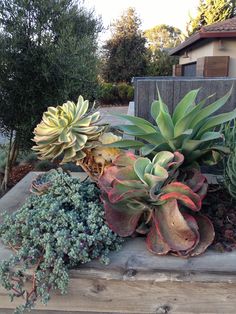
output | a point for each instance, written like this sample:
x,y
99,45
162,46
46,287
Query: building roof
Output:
x,y
223,29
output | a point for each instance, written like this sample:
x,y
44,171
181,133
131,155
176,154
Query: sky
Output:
x,y
151,12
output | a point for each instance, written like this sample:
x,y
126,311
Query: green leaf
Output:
x,y
165,124
140,166
125,144
207,111
183,106
216,120
139,122
134,130
155,108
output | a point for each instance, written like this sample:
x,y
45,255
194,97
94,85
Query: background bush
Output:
x,y
111,94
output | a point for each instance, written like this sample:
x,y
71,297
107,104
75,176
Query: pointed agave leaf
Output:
x,y
192,145
132,130
139,122
210,109
125,144
183,106
217,120
155,108
165,124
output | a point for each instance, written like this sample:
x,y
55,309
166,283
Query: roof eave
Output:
x,y
200,35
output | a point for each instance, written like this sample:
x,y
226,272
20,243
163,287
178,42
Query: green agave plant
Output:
x,y
143,196
69,130
191,129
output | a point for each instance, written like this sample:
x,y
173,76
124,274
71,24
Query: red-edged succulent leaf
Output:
x,y
197,182
113,172
206,232
122,219
183,193
173,228
125,159
154,242
120,192
192,223
178,160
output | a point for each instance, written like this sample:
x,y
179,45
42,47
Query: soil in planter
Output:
x,y
221,209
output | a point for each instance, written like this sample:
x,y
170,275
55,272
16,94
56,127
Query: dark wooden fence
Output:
x,y
172,89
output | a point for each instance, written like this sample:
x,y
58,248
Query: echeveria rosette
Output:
x,y
141,195
67,130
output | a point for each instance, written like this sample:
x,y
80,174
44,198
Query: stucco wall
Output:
x,y
193,55
224,47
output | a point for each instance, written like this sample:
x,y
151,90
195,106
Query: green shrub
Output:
x,y
53,233
44,165
110,93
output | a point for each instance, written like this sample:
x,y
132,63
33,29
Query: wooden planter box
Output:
x,y
137,281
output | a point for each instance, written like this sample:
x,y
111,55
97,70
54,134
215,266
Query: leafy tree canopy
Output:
x,y
211,11
163,36
125,52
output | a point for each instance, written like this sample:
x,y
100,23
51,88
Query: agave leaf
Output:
x,y
207,234
147,149
192,145
135,130
210,109
182,193
155,108
165,124
183,106
139,122
216,120
125,144
173,227
153,138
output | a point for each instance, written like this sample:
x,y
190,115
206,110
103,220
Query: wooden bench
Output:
x,y
136,281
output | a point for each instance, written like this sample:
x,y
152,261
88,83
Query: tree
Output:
x,y
211,11
48,55
125,52
160,63
163,36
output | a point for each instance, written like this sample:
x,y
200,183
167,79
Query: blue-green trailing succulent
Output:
x,y
52,233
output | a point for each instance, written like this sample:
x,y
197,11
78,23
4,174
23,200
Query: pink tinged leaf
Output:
x,y
155,242
113,172
206,232
192,223
173,228
125,159
195,180
121,222
178,160
183,193
121,192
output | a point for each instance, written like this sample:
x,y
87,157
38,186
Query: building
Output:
x,y
211,52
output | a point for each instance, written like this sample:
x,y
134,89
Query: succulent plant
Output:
x,y
67,130
190,130
143,196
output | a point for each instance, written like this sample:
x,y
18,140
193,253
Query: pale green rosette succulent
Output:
x,y
67,130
